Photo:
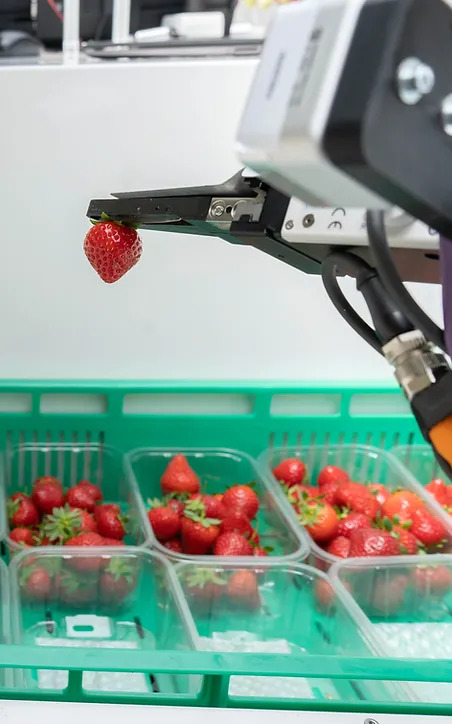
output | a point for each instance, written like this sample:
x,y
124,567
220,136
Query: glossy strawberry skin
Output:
x,y
232,544
242,498
109,523
339,546
165,522
197,538
372,542
47,496
112,250
179,477
80,497
22,512
332,474
290,471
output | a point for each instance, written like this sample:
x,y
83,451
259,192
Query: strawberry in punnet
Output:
x,y
87,521
339,546
36,583
64,523
112,542
22,511
47,495
99,509
449,496
427,529
328,492
387,595
320,520
116,581
380,492
175,502
409,544
242,590
75,590
438,489
85,540
357,497
214,506
173,545
112,249
232,544
242,498
432,579
205,587
402,505
165,521
296,494
93,490
179,477
198,537
110,522
237,522
291,471
47,480
80,497
353,521
373,542
332,474
259,552
22,536
324,593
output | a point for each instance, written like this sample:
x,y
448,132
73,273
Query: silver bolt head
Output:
x,y
415,80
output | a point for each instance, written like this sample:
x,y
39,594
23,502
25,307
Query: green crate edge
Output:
x,y
251,432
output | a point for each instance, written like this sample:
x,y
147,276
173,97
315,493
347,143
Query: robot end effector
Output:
x,y
351,107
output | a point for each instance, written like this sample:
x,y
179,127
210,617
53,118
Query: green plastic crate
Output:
x,y
241,416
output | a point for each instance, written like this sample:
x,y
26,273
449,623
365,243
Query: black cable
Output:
x,y
352,265
390,278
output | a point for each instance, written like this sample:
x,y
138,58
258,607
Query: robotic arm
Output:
x,y
350,109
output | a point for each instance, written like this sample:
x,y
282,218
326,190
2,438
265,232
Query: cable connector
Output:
x,y
418,363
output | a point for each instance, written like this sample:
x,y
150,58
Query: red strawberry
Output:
x,y
87,521
22,512
353,521
165,522
179,477
112,249
290,471
205,587
340,547
324,593
116,581
298,493
47,496
23,536
47,480
409,544
19,496
112,542
432,579
373,542
259,551
36,583
402,504
380,492
232,544
75,590
387,596
64,523
357,497
243,498
99,509
320,520
243,591
176,505
199,535
80,497
438,489
173,545
110,522
332,474
449,495
427,529
93,490
214,506
85,540
328,492
237,522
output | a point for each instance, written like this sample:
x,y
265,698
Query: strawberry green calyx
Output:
x,y
104,217
62,524
196,511
155,503
200,578
120,568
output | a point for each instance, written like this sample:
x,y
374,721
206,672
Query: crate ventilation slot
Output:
x,y
188,404
16,403
305,405
77,404
379,405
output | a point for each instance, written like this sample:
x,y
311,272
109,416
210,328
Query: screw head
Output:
x,y
217,209
446,115
289,225
415,80
308,221
370,721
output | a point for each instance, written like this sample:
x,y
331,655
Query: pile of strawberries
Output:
x,y
207,589
350,519
188,521
77,517
442,492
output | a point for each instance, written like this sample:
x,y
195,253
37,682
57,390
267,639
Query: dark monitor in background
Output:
x,y
15,15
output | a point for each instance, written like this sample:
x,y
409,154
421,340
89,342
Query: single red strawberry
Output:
x,y
387,595
438,489
165,522
432,579
47,480
205,587
328,492
296,494
213,505
64,523
112,249
85,540
80,497
232,544
99,509
23,536
94,490
357,497
179,477
112,542
258,551
290,471
237,522
174,503
243,591
332,474
427,529
87,521
353,521
402,505
320,520
380,492
243,498
110,522
19,496
117,581
22,512
409,544
36,583
339,546
373,542
47,496
173,545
